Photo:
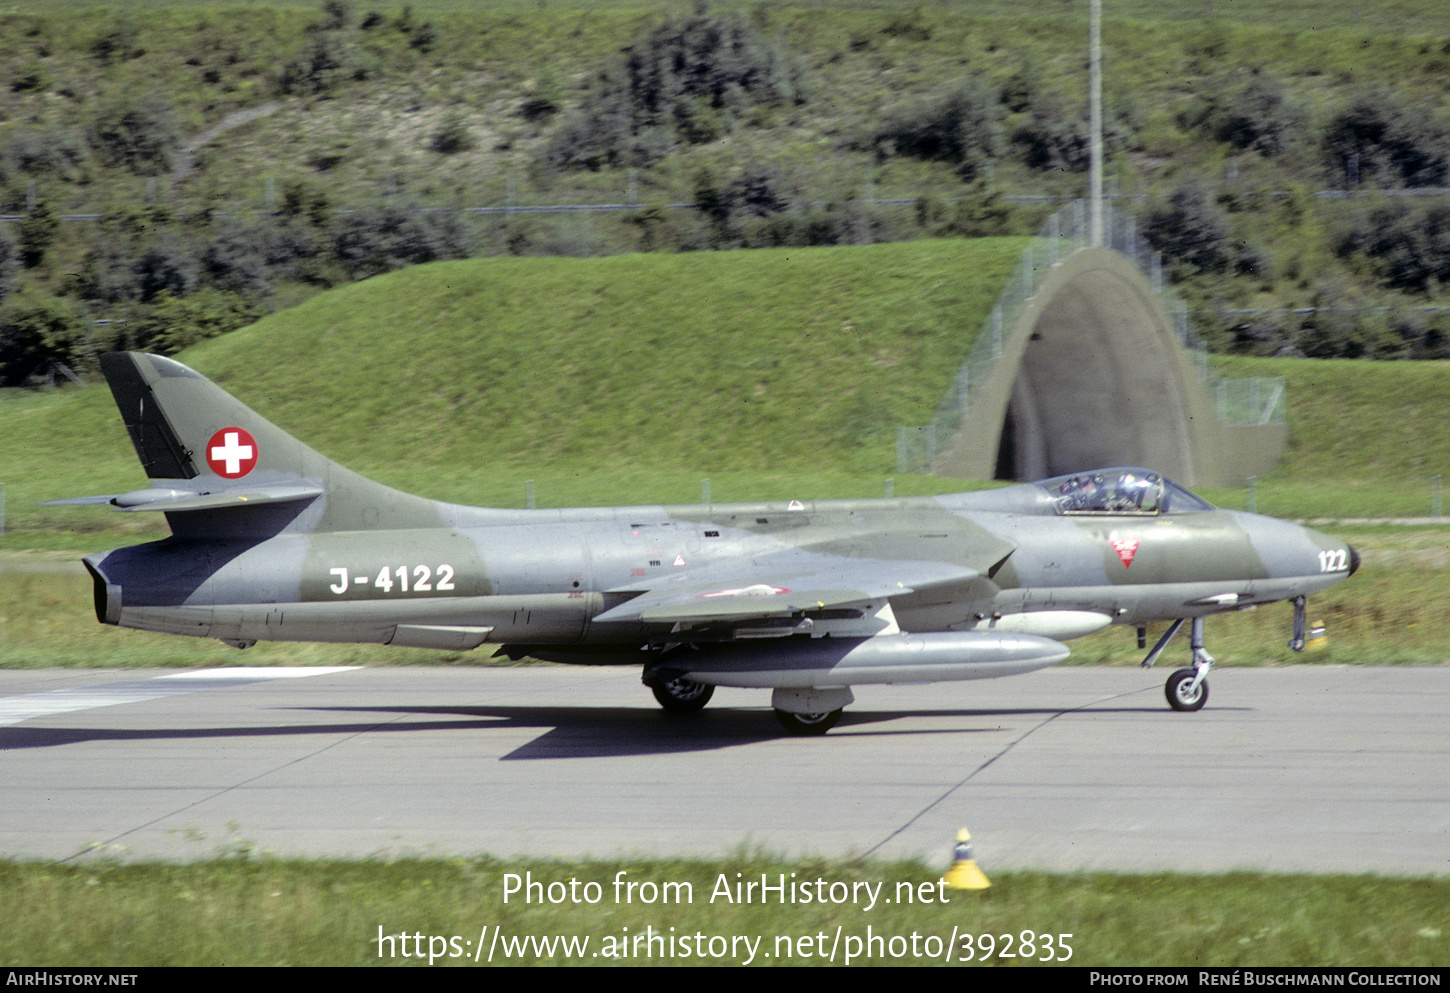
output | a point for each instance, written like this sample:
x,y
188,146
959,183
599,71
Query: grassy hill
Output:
x,y
635,373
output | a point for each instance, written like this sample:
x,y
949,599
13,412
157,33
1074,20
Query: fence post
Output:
x,y
529,495
705,491
1434,501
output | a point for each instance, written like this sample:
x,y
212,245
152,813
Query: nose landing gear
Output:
x,y
1186,689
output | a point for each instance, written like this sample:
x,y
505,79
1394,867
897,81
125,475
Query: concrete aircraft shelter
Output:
x,y
1091,374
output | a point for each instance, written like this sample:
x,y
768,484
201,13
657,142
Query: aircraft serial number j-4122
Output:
x,y
271,541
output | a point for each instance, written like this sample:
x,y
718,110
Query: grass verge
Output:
x,y
244,910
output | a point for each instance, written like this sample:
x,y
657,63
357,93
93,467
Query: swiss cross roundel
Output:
x,y
231,453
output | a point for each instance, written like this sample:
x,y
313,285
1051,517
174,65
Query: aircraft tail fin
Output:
x,y
227,468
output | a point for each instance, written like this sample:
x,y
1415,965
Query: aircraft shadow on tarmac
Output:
x,y
585,732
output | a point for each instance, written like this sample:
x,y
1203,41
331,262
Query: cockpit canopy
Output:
x,y
1120,491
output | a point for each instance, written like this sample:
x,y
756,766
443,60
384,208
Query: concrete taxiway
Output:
x,y
1305,768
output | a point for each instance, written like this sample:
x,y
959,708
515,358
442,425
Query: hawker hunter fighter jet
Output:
x,y
271,541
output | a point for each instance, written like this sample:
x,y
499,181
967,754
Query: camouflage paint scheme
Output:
x,y
271,541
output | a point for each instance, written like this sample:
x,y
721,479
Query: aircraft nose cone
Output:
x,y
1353,560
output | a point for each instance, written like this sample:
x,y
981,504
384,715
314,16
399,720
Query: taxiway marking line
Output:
x,y
15,709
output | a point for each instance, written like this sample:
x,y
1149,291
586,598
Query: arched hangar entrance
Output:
x,y
1092,374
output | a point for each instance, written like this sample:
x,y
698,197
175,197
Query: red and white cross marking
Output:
x,y
231,453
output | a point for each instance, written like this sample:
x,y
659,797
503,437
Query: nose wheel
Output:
x,y
1186,689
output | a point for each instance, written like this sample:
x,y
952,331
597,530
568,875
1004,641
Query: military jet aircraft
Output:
x,y
272,541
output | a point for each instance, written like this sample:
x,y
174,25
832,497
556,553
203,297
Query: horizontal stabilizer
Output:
x,y
176,501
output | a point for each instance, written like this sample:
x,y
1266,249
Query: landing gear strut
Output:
x,y
1186,689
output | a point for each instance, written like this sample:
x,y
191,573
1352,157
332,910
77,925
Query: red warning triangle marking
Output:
x,y
1126,549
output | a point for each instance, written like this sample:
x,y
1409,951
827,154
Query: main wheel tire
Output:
x,y
682,696
808,724
1180,696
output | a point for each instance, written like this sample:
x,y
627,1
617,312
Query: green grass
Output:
x,y
243,910
1380,424
737,361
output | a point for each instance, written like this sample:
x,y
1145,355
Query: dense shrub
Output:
x,y
142,136
327,62
1420,334
167,265
170,323
1389,141
1255,116
1192,232
758,192
391,236
35,331
37,231
136,255
687,81
1050,142
119,40
1022,88
56,152
453,136
1058,137
249,257
978,213
9,263
961,125
338,13
843,221
106,275
1407,243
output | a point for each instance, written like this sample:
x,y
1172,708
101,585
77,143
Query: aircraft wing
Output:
x,y
780,590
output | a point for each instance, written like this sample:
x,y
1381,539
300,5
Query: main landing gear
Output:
x,y
807,710
807,724
1186,689
681,695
